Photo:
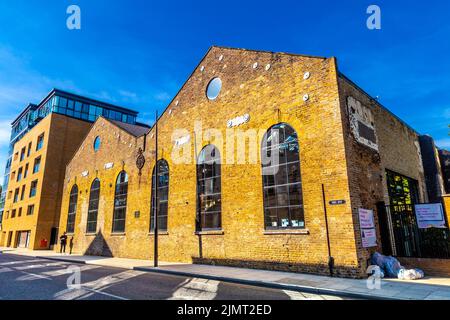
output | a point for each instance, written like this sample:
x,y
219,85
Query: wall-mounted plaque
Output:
x,y
336,202
238,121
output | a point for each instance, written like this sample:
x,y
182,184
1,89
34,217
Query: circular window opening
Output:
x,y
213,90
97,143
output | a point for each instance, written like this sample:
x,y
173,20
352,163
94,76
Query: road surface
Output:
x,y
28,278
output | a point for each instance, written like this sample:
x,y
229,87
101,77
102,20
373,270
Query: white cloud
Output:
x,y
446,113
162,96
5,132
443,143
128,94
20,84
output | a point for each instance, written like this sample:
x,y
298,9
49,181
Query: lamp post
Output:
x,y
155,213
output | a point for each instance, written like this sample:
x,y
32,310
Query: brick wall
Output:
x,y
431,267
398,150
269,95
61,136
446,201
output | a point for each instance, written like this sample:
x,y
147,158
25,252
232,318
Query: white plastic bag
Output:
x,y
410,274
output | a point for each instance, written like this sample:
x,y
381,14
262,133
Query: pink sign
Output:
x,y
366,219
367,226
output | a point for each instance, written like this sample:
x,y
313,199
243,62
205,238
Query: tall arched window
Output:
x,y
209,189
163,195
282,185
70,228
94,198
120,202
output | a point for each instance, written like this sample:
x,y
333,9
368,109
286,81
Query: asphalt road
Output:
x,y
28,278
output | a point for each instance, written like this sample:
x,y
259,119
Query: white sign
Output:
x,y
366,219
369,238
182,140
109,165
430,215
238,121
367,226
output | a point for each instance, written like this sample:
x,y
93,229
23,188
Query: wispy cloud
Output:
x,y
21,84
446,113
162,96
443,143
102,95
128,94
5,132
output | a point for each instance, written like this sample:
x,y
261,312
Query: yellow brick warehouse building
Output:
x,y
231,213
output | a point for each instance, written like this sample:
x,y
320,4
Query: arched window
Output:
x,y
97,143
94,197
120,202
209,189
70,228
282,185
163,195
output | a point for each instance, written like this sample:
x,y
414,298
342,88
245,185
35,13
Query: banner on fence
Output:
x,y
367,226
430,215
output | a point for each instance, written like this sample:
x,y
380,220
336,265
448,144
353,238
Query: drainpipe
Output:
x,y
330,258
155,216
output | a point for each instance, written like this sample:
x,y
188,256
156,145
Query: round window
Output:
x,y
213,90
97,143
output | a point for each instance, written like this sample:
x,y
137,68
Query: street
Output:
x,y
28,278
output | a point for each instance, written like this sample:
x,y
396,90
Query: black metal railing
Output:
x,y
410,241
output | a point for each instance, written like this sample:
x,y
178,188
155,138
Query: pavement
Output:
x,y
429,288
24,277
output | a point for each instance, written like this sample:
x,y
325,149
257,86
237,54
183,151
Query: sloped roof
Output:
x,y
133,129
233,49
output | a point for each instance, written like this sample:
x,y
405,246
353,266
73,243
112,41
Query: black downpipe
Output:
x,y
330,258
155,213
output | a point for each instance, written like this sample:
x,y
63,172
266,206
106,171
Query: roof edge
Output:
x,y
22,113
340,74
271,52
228,48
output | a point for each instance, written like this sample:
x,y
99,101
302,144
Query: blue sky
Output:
x,y
138,53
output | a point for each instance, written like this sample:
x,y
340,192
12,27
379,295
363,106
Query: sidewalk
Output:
x,y
424,289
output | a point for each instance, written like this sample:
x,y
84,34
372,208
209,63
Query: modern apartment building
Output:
x,y
432,168
44,137
21,125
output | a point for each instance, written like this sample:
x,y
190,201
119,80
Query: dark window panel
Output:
x,y
120,202
163,195
71,215
209,189
282,188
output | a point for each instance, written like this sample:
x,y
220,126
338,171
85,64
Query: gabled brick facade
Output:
x,y
310,95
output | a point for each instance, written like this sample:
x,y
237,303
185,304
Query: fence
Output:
x,y
407,240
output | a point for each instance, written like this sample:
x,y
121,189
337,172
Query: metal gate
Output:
x,y
405,237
